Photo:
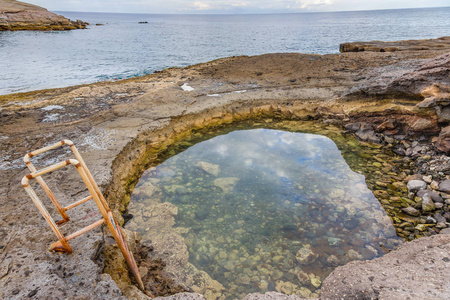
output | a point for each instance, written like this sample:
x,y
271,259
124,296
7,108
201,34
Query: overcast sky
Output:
x,y
229,6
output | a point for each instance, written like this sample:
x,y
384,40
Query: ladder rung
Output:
x,y
78,233
77,203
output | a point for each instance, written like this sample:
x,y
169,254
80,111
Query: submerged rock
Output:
x,y
210,168
227,184
334,241
315,280
305,256
332,260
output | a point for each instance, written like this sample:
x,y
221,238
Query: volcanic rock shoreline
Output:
x,y
16,15
398,100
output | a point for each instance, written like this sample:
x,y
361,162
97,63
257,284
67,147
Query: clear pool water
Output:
x,y
266,210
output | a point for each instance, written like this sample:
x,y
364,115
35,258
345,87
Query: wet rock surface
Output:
x,y
115,123
17,15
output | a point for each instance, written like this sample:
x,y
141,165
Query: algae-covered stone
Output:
x,y
332,260
305,256
315,280
285,287
421,227
303,292
352,254
427,203
332,241
303,277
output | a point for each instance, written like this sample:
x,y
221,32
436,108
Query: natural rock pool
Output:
x,y
260,210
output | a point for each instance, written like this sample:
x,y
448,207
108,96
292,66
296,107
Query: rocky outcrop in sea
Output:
x,y
16,15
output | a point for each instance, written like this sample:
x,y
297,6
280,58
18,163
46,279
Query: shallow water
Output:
x,y
267,210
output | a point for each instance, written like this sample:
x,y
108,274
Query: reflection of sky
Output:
x,y
282,176
273,161
273,151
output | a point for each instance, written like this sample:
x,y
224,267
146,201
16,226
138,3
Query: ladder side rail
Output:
x,y
89,175
34,197
112,224
41,181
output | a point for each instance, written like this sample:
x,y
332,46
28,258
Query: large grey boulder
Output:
x,y
417,270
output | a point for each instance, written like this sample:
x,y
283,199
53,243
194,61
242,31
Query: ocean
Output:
x,y
122,47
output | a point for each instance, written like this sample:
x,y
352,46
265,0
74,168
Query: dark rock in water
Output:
x,y
271,286
127,217
290,227
185,199
434,196
411,211
202,213
444,186
351,223
181,190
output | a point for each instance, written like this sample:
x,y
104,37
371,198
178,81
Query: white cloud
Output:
x,y
308,4
202,6
209,5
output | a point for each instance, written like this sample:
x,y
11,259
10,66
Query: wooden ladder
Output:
x,y
62,245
